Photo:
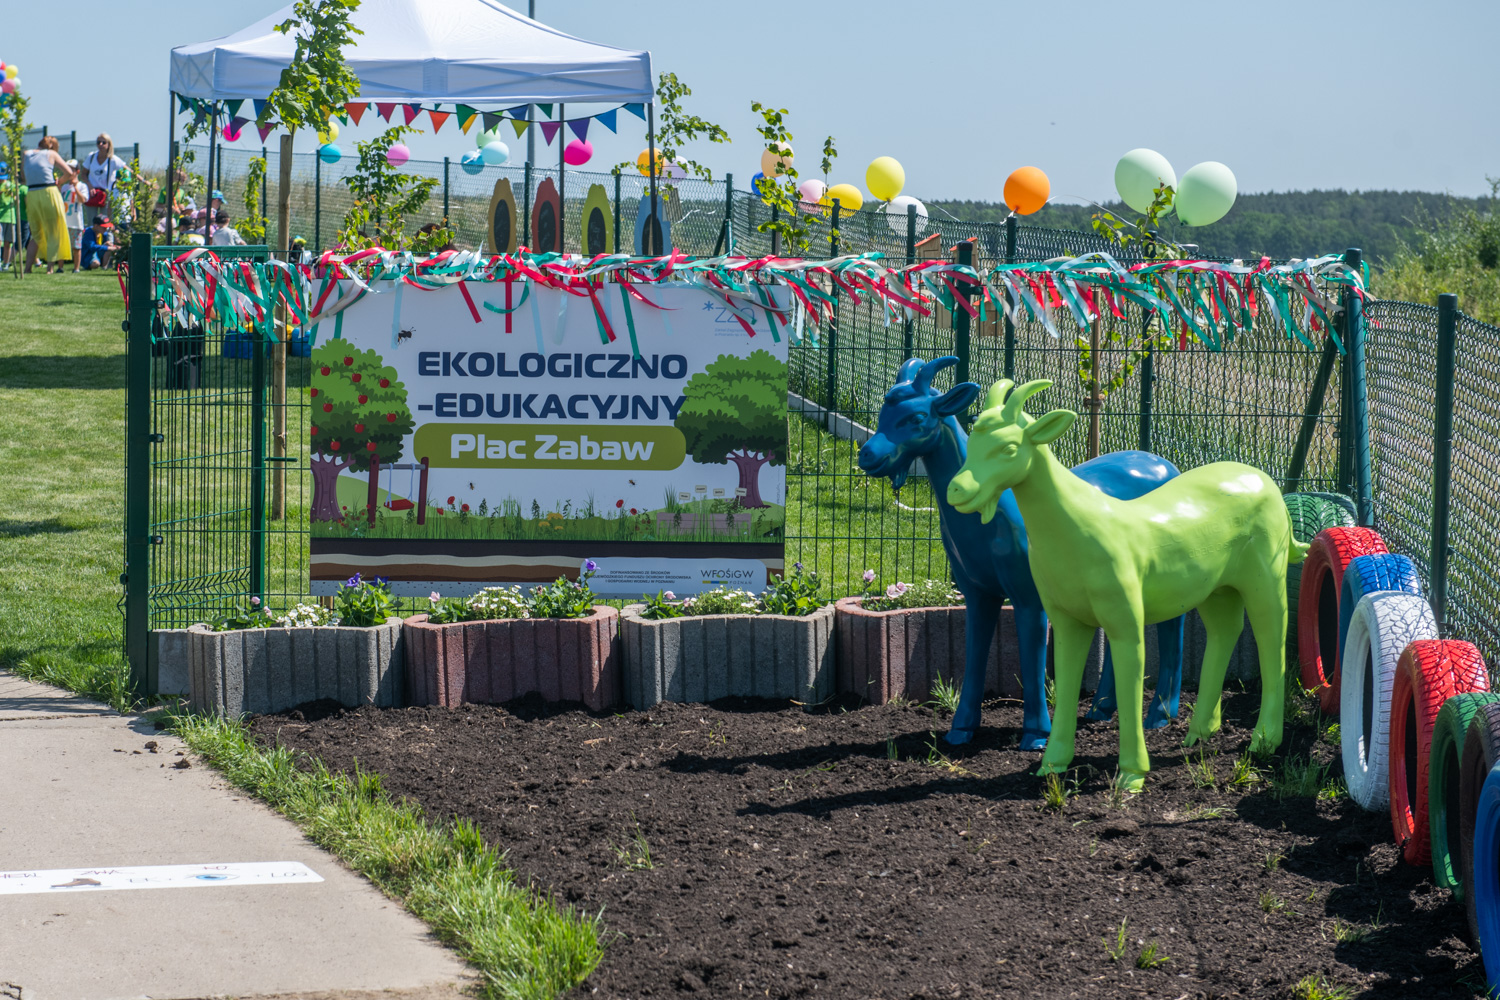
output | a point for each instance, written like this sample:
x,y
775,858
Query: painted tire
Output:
x,y
1382,627
1486,894
1445,762
1318,607
1310,514
1430,672
1371,575
1349,513
1481,752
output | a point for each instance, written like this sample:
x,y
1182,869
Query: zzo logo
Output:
x,y
725,314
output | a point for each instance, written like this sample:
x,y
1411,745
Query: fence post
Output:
x,y
1011,228
318,201
526,207
137,575
908,339
1144,441
832,386
73,143
1310,415
776,233
258,346
728,213
137,157
1442,452
1359,425
617,210
264,205
961,315
445,192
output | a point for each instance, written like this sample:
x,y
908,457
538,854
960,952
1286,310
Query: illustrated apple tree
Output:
x,y
735,411
359,414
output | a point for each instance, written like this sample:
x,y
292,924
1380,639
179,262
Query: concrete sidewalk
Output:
x,y
78,788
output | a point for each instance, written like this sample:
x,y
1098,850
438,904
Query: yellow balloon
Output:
x,y
885,178
847,195
12,71
330,132
773,165
643,162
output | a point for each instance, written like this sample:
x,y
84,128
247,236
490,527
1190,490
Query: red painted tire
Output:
x,y
1429,672
1318,607
1481,752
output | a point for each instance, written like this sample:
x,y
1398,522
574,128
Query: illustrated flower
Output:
x,y
619,504
451,499
668,595
633,510
869,576
895,590
589,566
433,597
464,508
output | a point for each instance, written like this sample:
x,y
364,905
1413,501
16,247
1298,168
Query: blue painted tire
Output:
x,y
1374,574
1486,887
1480,756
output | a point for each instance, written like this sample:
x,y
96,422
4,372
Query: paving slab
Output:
x,y
80,788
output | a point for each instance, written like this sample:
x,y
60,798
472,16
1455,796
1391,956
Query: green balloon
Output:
x,y
1138,174
1206,194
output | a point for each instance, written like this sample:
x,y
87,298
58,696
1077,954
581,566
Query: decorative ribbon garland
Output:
x,y
1207,301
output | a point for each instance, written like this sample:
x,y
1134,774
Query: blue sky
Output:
x,y
1292,96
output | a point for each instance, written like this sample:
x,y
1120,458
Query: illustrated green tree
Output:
x,y
735,411
359,412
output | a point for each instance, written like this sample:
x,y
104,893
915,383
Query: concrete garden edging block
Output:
x,y
706,657
492,662
260,670
885,654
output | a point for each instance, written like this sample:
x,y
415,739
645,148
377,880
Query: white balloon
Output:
x,y
895,214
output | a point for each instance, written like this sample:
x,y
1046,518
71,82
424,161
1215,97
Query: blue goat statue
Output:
x,y
990,561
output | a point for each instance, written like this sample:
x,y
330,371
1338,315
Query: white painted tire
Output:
x,y
1384,623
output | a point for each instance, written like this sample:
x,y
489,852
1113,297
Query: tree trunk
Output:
x,y
749,466
325,471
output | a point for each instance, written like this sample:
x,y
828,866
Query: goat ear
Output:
x,y
957,399
1048,428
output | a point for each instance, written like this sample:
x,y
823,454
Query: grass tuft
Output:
x,y
1151,957
524,944
944,695
1116,951
1316,987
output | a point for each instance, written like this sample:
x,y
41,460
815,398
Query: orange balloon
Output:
x,y
1027,190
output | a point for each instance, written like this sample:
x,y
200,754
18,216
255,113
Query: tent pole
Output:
x,y
562,176
171,149
530,134
208,176
654,223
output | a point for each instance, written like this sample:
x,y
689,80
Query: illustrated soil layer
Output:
x,y
841,854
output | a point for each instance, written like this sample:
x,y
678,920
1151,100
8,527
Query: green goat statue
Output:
x,y
1217,538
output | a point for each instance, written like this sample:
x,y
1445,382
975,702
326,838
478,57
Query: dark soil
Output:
x,y
844,854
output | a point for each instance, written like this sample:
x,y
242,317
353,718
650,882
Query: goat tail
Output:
x,y
1296,552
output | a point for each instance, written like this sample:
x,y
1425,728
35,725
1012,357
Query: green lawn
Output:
x,y
62,390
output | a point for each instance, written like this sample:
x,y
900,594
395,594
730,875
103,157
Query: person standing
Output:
x,y
102,168
41,168
9,218
75,196
225,235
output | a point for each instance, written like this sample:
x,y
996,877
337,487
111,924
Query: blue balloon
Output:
x,y
329,153
755,182
470,162
495,152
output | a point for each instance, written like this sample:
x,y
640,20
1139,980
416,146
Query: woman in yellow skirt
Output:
x,y
41,168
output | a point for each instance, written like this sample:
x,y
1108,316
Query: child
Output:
x,y
226,235
98,241
74,195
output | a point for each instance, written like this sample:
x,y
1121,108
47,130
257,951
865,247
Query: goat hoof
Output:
x,y
1260,743
958,737
1156,721
1033,740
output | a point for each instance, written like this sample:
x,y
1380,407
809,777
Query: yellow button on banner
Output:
x,y
551,446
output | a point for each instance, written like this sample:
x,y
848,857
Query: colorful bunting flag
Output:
x,y
384,110
356,111
260,109
520,125
411,111
265,130
234,106
236,123
466,116
182,104
519,111
438,118
549,129
546,109
639,110
491,121
580,127
607,118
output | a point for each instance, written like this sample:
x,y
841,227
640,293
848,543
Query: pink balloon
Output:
x,y
8,87
397,154
232,133
578,152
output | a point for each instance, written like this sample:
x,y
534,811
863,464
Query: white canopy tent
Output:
x,y
460,51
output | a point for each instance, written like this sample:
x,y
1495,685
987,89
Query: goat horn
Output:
x,y
1017,400
908,370
997,393
923,379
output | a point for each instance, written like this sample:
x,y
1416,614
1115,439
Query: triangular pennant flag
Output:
x,y
546,109
411,111
466,116
343,119
607,119
519,111
260,108
549,129
182,104
236,123
438,118
520,125
384,110
580,127
639,110
265,130
356,111
491,121
234,106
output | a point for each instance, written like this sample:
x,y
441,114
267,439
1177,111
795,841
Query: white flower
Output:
x,y
869,576
433,597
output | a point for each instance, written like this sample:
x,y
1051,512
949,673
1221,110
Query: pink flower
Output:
x,y
668,595
433,597
869,576
255,602
895,590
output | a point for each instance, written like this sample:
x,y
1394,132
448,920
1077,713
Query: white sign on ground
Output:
x,y
82,880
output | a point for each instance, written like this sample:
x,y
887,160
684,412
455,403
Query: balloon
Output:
x,y
495,153
483,139
1138,174
232,132
811,192
1027,190
8,87
895,214
643,162
884,178
329,153
674,170
12,71
755,183
329,132
578,152
1206,194
472,162
397,154
847,195
772,165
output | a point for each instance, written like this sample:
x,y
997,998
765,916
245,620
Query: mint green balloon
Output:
x,y
1138,174
1206,194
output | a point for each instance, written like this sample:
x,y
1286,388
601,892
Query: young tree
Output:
x,y
675,127
13,123
384,197
735,411
795,228
359,412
